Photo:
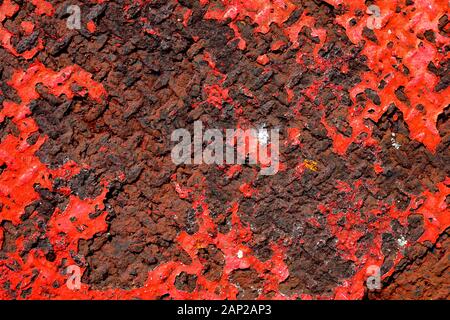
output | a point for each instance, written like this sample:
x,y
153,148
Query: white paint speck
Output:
x,y
402,241
394,142
240,254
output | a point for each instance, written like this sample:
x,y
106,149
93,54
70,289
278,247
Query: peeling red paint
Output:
x,y
397,39
24,170
247,190
263,59
262,12
66,227
43,7
27,26
7,9
436,212
91,26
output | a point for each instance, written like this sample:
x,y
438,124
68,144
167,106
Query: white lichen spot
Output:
x,y
240,254
394,142
402,241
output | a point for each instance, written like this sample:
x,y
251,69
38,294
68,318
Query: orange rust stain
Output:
x,y
91,26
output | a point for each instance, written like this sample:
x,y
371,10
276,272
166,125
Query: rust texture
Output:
x,y
358,89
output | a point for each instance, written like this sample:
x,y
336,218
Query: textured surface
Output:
x,y
86,176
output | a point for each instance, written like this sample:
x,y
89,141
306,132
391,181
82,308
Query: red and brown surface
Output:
x,y
86,176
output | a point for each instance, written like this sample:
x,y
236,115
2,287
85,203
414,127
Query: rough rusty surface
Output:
x,y
421,276
86,176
